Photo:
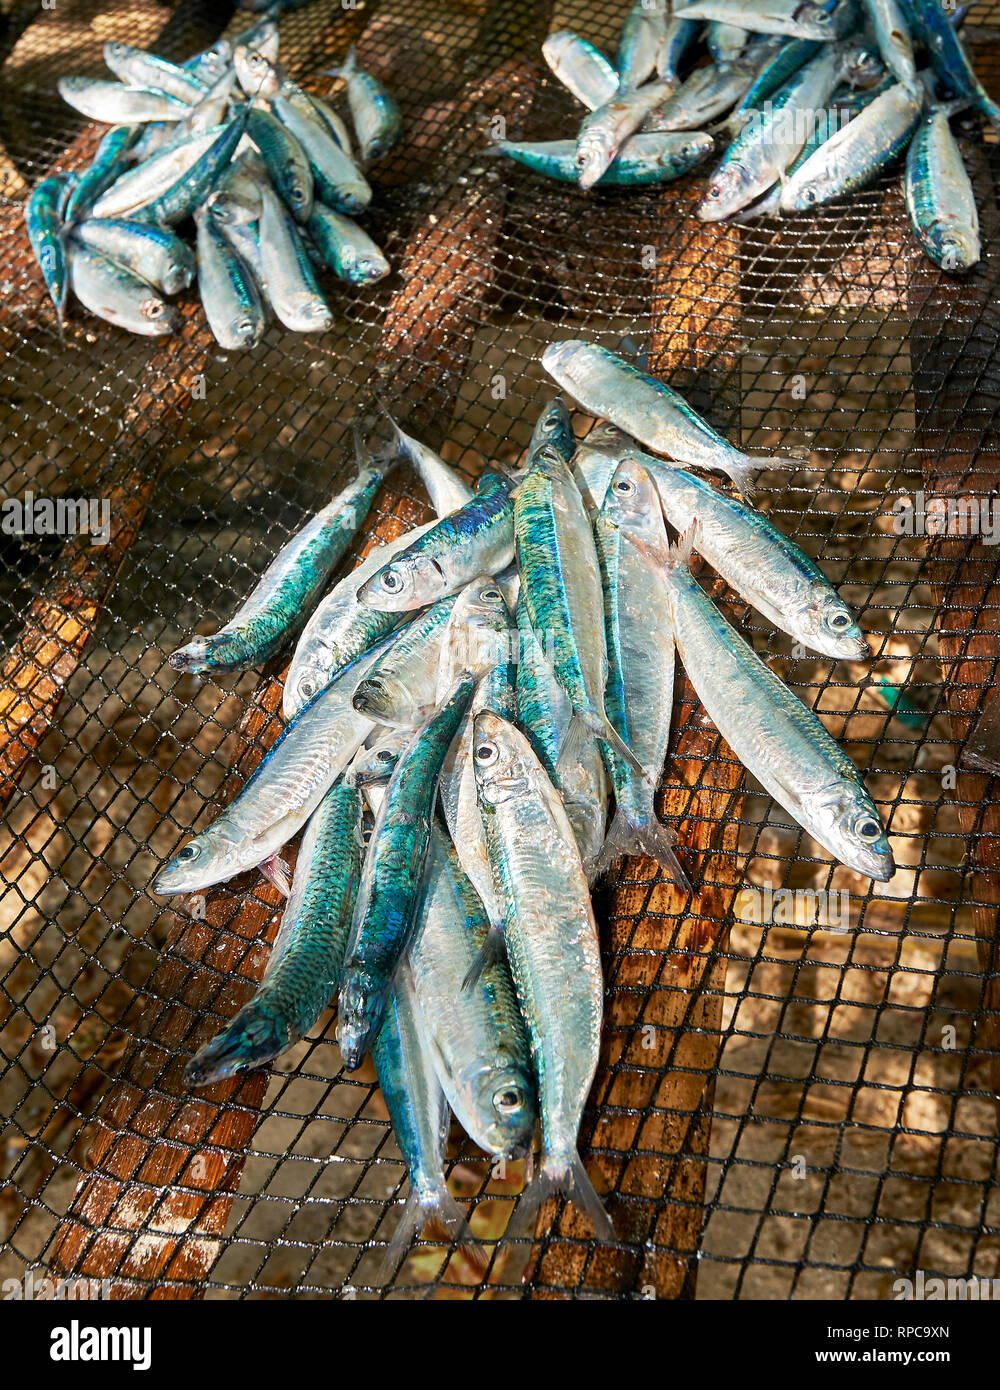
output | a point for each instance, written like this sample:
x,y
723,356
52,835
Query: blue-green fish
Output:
x,y
798,19
44,219
553,427
389,898
939,195
651,157
287,591
108,162
642,34
400,689
346,248
376,117
581,68
137,68
228,290
289,282
561,584
154,253
184,197
551,938
852,157
418,1111
477,539
678,37
155,174
892,34
649,410
605,131
285,160
948,56
303,969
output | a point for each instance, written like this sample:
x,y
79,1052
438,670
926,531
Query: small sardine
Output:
x,y
651,157
228,291
303,969
44,219
551,938
400,689
799,19
707,93
119,105
649,410
108,162
118,295
939,196
284,597
285,161
447,490
642,34
137,68
605,130
389,897
376,117
290,283
153,253
477,539
150,179
346,248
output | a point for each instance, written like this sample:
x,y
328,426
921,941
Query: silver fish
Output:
x,y
649,410
155,175
781,742
280,795
939,196
139,69
447,490
400,689
707,93
118,295
605,130
581,68
798,19
551,939
153,253
229,295
118,105
290,284
643,32
475,1037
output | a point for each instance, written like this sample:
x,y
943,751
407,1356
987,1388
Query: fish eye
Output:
x,y
153,309
840,621
189,852
307,687
392,582
715,191
507,1100
810,195
491,595
869,829
384,756
486,753
625,487
245,326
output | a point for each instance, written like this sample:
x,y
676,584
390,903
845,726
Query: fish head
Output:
x,y
956,247
727,192
503,1096
862,65
558,357
255,74
632,502
377,764
503,759
386,700
245,331
361,1005
296,190
594,154
829,626
192,657
408,581
363,268
856,835
266,39
554,426
304,683
479,625
698,146
162,316
211,857
801,195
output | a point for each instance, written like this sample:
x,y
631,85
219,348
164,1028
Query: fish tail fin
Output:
x,y
445,1213
567,1178
608,734
275,870
630,836
488,954
383,462
742,473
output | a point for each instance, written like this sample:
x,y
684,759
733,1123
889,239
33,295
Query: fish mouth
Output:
x,y
190,657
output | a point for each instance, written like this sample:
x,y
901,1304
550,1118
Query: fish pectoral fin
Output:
x,y
489,953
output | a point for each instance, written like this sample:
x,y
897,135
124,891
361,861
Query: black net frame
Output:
x,y
782,1110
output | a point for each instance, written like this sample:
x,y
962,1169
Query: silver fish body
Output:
x,y
137,68
346,248
400,689
551,938
291,286
280,795
939,196
642,34
648,409
605,130
151,252
708,93
475,1037
118,295
229,294
148,180
119,105
798,19
581,68
781,742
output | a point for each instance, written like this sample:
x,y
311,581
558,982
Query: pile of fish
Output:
x,y
461,710
227,144
813,102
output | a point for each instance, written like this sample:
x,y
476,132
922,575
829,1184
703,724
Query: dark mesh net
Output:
x,y
784,1108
